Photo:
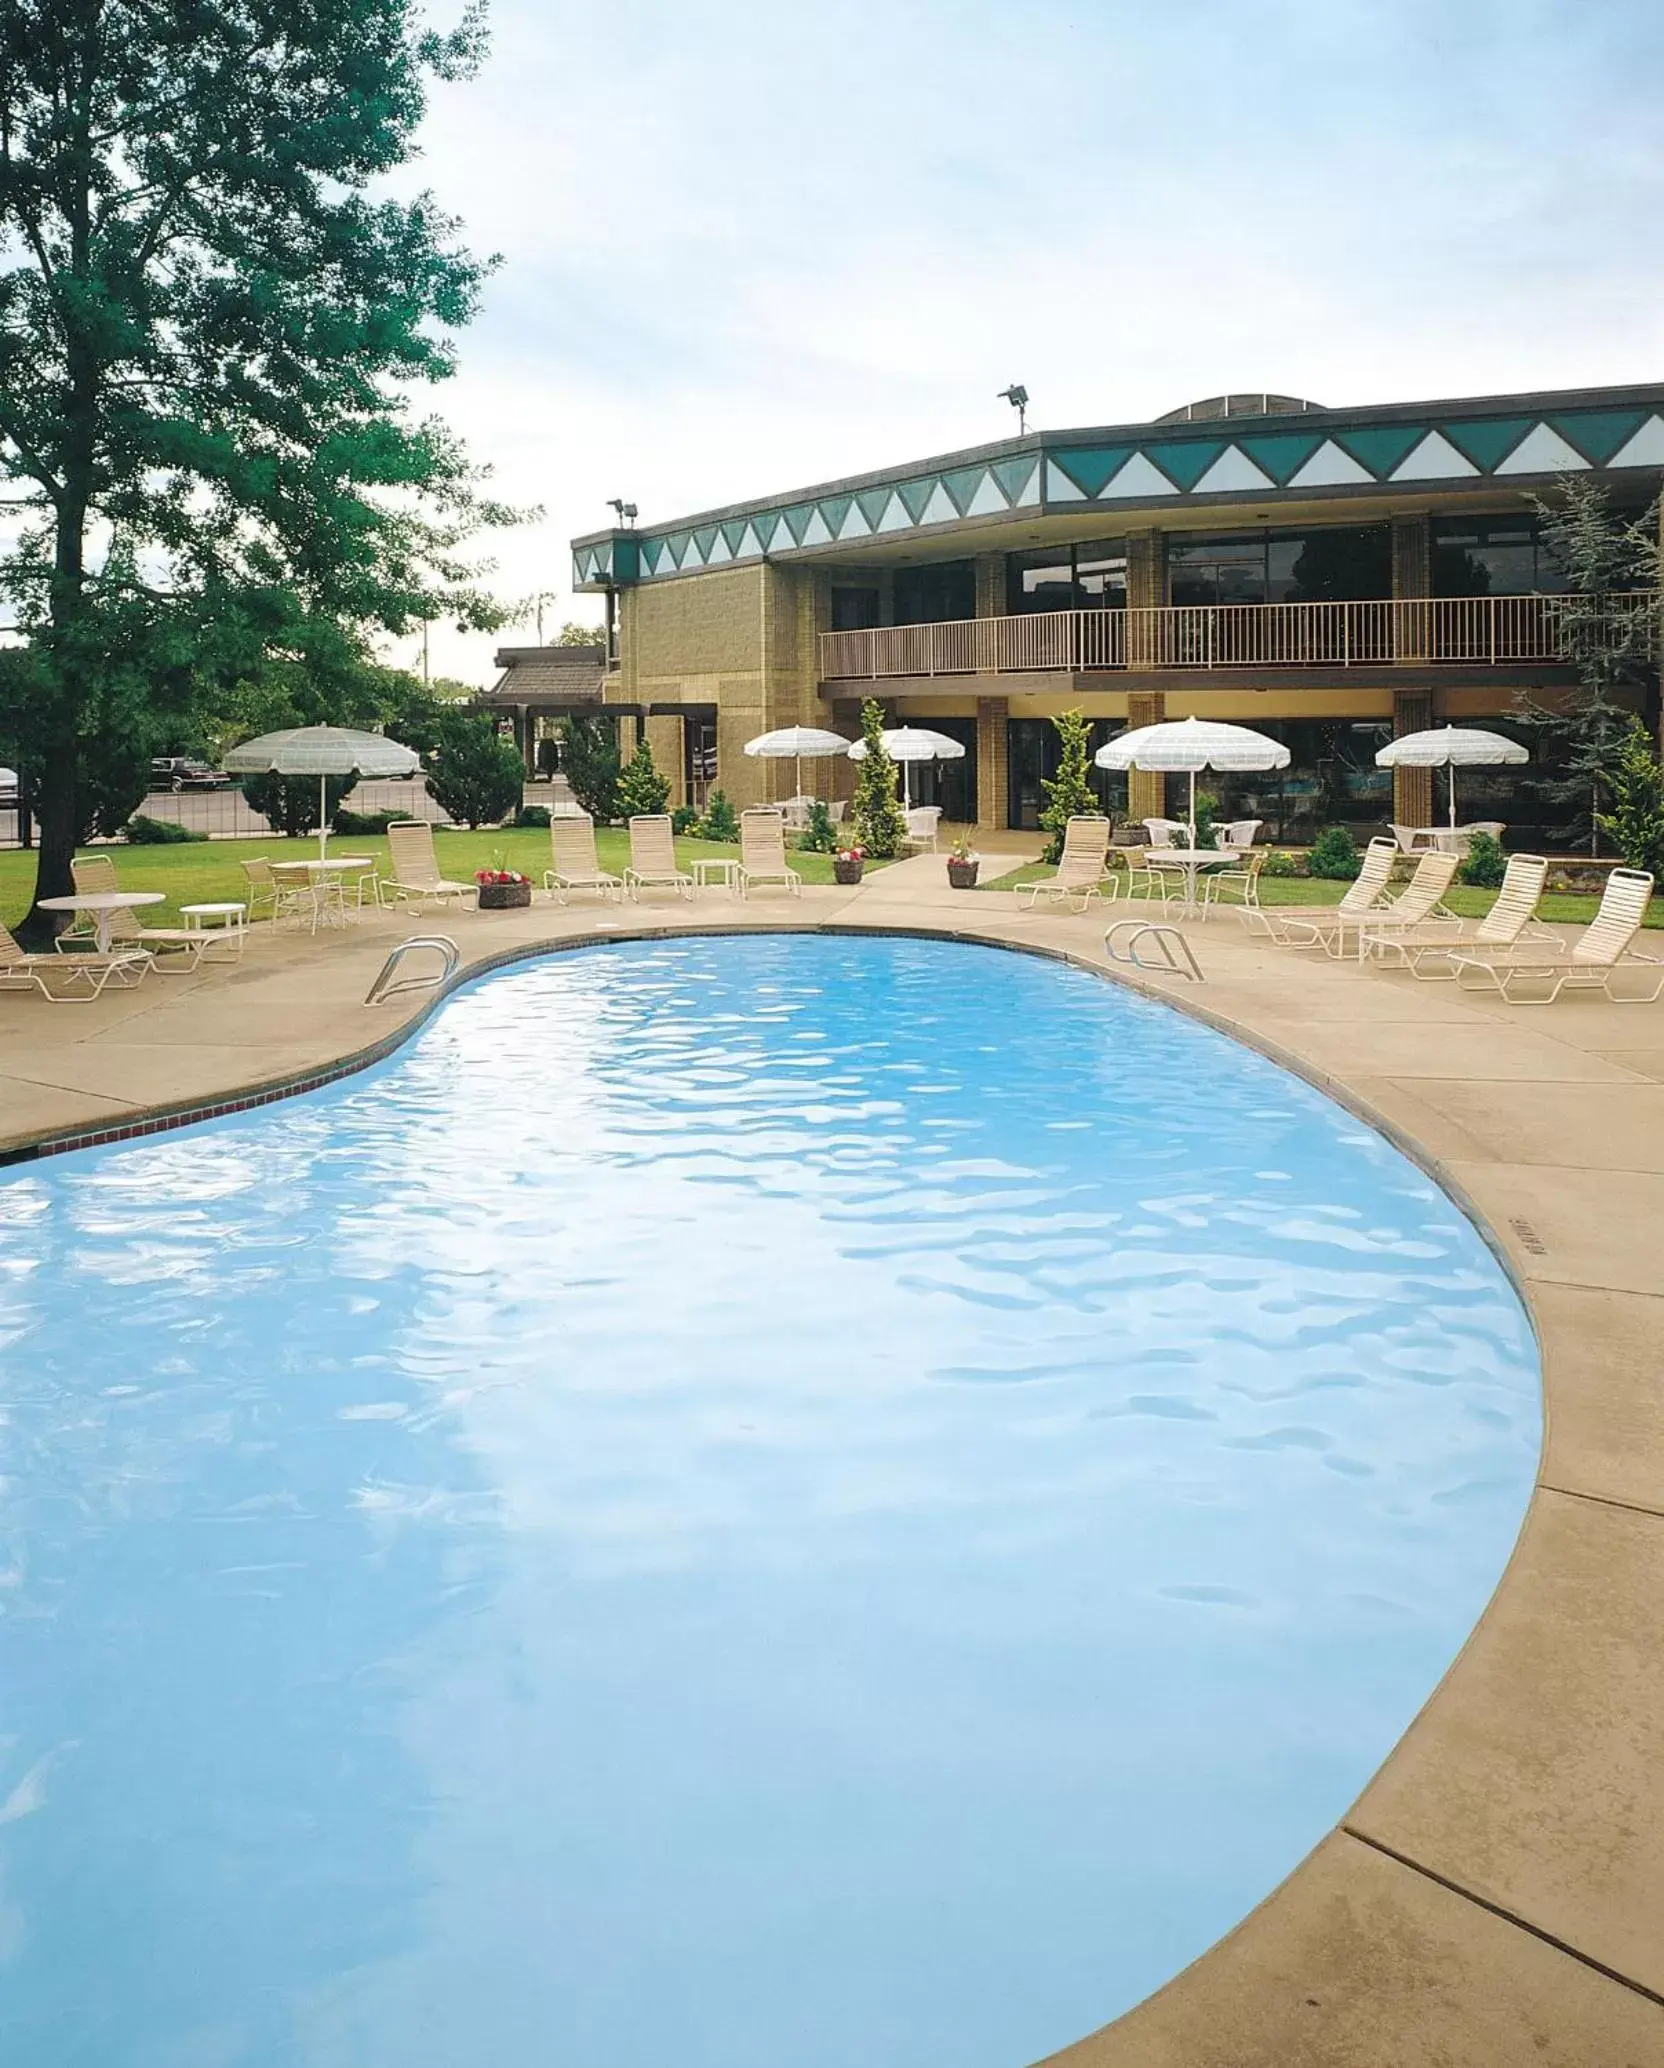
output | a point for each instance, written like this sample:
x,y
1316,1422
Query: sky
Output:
x,y
747,247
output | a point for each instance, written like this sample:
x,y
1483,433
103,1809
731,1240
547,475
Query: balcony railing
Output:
x,y
1470,631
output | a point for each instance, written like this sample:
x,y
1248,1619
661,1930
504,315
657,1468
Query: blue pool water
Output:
x,y
783,1500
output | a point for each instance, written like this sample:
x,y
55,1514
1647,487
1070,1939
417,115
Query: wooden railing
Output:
x,y
1457,630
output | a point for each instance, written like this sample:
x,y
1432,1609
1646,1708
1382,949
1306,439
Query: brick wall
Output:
x,y
992,743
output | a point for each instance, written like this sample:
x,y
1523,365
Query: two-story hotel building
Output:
x,y
1333,576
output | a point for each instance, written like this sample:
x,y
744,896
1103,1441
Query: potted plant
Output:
x,y
848,863
962,865
502,890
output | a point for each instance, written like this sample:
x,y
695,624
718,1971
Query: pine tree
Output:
x,y
880,825
1635,785
721,823
1608,632
1069,794
642,790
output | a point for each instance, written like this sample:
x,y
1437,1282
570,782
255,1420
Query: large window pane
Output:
x,y
935,595
854,610
1343,563
1500,556
1088,576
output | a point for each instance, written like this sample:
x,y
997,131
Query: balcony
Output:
x,y
1450,631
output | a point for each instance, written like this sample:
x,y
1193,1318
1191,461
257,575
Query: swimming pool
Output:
x,y
740,1500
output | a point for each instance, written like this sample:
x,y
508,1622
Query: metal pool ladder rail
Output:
x,y
1174,954
442,945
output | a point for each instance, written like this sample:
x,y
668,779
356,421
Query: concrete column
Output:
x,y
1146,591
1146,791
1412,788
1412,581
993,714
990,585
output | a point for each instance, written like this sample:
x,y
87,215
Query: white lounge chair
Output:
x,y
922,822
416,876
763,852
1420,904
1288,925
95,876
1080,869
653,864
68,979
572,842
1426,954
1537,973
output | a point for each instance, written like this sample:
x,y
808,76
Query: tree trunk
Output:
x,y
55,817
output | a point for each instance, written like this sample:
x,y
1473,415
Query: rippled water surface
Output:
x,y
740,1503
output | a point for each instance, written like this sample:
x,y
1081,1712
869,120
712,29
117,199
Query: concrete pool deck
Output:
x,y
1496,1895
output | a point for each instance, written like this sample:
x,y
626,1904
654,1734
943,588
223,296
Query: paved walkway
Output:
x,y
1496,1896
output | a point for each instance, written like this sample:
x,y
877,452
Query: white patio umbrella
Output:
x,y
1183,746
323,751
1451,747
910,743
797,743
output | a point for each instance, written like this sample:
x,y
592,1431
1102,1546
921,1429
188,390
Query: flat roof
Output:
x,y
1284,459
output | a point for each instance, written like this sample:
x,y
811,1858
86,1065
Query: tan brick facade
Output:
x,y
1146,791
1412,788
992,770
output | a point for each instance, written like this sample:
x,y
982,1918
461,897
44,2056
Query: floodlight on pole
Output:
x,y
626,511
1017,396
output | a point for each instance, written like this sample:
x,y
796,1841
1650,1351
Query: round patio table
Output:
x,y
322,876
1191,860
103,905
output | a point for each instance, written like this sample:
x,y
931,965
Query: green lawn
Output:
x,y
203,872
1315,890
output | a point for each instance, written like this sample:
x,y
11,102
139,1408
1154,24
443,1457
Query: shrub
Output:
x,y
1635,784
721,822
289,804
1334,854
363,822
820,836
477,776
1486,864
143,832
1279,863
642,790
589,760
877,822
1069,794
684,819
1207,833
532,815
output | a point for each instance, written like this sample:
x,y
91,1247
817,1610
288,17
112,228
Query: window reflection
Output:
x,y
1503,556
1340,564
1089,576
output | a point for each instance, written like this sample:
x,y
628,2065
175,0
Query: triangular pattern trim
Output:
x,y
940,508
1138,478
1487,440
1598,433
1090,467
1331,467
987,502
1059,488
1543,451
915,494
1434,459
1645,449
1017,478
816,532
897,516
1188,460
1233,473
1281,452
855,525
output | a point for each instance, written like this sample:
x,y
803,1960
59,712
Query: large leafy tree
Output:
x,y
213,316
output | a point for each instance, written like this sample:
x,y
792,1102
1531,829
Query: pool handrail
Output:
x,y
382,989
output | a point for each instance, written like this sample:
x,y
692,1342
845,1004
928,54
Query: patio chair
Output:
x,y
1241,879
263,888
83,975
415,876
1080,869
1410,839
763,852
1536,974
572,842
1512,918
1367,892
1420,905
922,822
94,876
653,858
1239,833
1167,832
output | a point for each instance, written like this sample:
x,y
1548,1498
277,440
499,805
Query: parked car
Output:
x,y
179,772
8,785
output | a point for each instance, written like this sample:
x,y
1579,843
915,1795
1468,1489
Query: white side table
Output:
x,y
726,872
220,925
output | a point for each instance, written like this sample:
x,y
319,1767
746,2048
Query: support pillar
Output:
x,y
993,714
1146,790
1412,788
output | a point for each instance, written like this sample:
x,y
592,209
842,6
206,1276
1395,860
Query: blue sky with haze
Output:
x,y
748,247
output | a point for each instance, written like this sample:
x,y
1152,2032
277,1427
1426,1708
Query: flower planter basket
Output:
x,y
962,875
846,872
504,897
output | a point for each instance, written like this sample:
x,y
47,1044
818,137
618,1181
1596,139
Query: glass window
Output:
x,y
1343,563
1089,576
1211,571
1495,556
854,610
935,595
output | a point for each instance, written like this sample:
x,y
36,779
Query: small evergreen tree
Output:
x,y
879,824
820,836
1486,864
476,777
642,790
1635,785
1608,629
289,804
589,762
1207,831
1334,854
721,822
1069,794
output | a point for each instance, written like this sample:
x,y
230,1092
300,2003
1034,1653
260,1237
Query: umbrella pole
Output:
x,y
323,817
1193,811
1452,788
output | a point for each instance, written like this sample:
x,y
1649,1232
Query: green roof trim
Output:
x,y
1598,433
1381,447
1091,468
962,485
1185,461
874,502
915,494
1016,477
1280,453
1487,441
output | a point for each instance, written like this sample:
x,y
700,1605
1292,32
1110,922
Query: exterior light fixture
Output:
x,y
626,511
1017,396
